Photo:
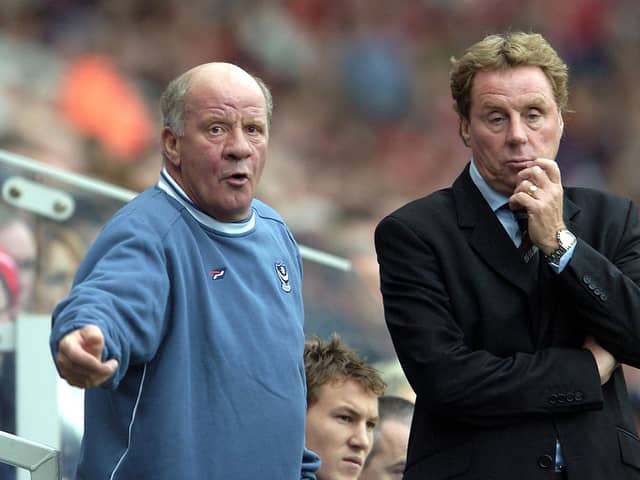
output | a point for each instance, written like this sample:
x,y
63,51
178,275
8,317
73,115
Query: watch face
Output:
x,y
566,238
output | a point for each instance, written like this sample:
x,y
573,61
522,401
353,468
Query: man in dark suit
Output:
x,y
511,300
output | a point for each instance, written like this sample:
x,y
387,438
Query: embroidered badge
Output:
x,y
217,274
283,276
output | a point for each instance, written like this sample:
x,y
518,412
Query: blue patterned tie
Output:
x,y
526,248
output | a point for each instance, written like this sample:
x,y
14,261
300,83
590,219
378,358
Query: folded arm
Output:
x,y
472,384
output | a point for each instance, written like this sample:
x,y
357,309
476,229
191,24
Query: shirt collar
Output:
x,y
493,198
168,185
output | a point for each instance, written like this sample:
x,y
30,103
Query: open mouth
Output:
x,y
238,178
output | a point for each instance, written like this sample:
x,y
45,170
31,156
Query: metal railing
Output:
x,y
33,198
41,461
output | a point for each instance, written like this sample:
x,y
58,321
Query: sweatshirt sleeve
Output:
x,y
310,465
122,287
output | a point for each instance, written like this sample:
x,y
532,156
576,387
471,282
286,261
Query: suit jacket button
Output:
x,y
545,461
553,399
570,397
603,297
579,396
587,279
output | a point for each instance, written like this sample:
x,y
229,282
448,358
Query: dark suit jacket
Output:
x,y
494,352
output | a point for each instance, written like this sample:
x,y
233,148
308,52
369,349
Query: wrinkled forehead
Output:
x,y
516,81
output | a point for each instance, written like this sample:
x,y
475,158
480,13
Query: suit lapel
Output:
x,y
570,212
486,234
489,239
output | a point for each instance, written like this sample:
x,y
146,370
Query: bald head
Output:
x,y
174,99
219,70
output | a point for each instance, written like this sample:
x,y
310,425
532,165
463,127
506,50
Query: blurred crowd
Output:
x,y
363,118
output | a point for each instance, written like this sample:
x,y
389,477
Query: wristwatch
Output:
x,y
566,239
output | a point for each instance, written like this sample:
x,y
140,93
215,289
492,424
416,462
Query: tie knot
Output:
x,y
522,218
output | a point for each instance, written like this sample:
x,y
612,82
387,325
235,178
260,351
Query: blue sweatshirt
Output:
x,y
206,321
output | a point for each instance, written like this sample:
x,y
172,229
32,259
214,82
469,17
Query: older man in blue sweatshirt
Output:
x,y
185,321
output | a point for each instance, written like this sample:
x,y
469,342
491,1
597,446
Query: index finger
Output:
x,y
550,167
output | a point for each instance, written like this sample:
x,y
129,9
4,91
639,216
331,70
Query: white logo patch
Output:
x,y
283,276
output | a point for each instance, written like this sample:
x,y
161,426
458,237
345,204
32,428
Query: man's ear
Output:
x,y
170,146
561,124
464,131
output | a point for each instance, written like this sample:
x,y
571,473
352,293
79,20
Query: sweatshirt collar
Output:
x,y
168,185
